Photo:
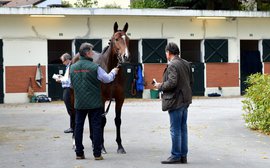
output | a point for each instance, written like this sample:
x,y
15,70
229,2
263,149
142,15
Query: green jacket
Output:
x,y
87,88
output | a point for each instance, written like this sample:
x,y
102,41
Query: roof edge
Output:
x,y
131,12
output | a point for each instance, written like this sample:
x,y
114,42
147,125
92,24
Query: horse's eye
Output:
x,y
116,39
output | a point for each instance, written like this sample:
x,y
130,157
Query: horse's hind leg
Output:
x,y
73,141
117,121
103,122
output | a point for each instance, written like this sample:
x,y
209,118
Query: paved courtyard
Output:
x,y
32,137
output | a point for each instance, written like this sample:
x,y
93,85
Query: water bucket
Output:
x,y
154,94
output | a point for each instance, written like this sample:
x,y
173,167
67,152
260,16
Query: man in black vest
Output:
x,y
86,77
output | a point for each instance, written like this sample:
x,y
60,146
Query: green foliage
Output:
x,y
147,4
114,5
265,7
257,102
66,4
170,3
85,3
248,6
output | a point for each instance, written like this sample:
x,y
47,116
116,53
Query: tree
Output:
x,y
85,3
260,5
66,4
205,4
147,4
114,5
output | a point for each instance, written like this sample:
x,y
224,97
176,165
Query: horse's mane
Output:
x,y
105,49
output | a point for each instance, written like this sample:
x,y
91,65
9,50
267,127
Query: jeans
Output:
x,y
95,120
179,134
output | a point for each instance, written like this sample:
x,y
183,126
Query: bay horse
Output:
x,y
112,56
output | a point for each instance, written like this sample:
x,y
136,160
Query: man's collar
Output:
x,y
172,58
86,58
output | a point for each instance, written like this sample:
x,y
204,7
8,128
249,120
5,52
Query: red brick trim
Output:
x,y
17,79
153,71
266,67
222,74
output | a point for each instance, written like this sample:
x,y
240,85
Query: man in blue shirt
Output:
x,y
65,81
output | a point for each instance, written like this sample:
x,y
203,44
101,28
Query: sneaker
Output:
x,y
172,160
70,130
80,157
99,158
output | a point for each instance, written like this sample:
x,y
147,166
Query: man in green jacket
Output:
x,y
86,77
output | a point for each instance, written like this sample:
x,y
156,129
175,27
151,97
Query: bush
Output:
x,y
257,103
85,3
147,4
112,6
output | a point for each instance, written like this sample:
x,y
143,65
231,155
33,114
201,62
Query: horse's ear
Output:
x,y
125,27
115,27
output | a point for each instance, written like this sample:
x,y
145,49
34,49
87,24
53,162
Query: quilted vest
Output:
x,y
87,88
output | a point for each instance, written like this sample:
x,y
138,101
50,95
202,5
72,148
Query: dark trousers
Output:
x,y
69,107
94,116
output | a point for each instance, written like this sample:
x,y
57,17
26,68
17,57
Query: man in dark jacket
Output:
x,y
86,77
176,97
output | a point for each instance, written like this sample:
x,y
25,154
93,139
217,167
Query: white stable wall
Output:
x,y
26,37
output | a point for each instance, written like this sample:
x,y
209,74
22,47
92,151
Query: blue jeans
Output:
x,y
179,134
95,120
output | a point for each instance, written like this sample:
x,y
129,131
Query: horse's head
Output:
x,y
120,43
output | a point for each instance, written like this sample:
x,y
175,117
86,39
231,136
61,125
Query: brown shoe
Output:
x,y
99,158
80,157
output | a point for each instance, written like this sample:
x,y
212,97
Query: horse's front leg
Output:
x,y
117,121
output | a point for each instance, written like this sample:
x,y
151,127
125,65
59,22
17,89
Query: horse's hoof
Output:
x,y
121,151
73,143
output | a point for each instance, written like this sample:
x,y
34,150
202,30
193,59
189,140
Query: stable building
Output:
x,y
224,46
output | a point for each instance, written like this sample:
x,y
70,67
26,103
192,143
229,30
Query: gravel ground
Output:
x,y
32,136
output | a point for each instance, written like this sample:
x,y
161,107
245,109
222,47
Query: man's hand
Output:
x,y
58,80
157,85
115,70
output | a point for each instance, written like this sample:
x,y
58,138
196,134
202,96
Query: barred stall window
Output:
x,y
216,50
97,43
266,50
154,50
